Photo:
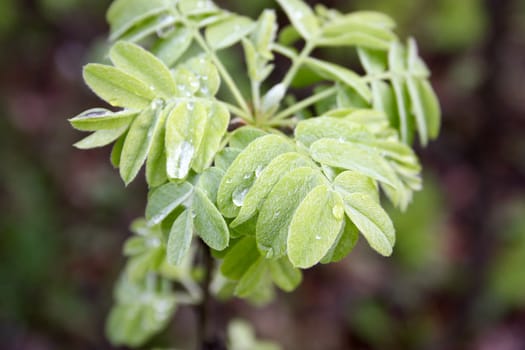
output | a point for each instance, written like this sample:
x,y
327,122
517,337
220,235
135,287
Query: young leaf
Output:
x,y
229,31
100,138
315,226
184,132
310,130
348,155
137,144
141,64
264,33
284,274
208,221
165,199
179,240
243,136
240,176
266,178
279,207
339,73
209,182
116,87
302,18
100,118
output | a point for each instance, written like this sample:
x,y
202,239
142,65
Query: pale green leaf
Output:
x,y
124,14
179,240
265,32
310,130
209,182
100,118
137,144
197,7
215,127
266,178
156,173
240,176
173,46
243,136
208,222
315,226
272,99
160,24
165,199
373,61
430,106
396,61
302,18
239,258
229,31
100,138
371,220
343,245
284,274
347,155
354,182
116,87
339,73
184,132
225,157
279,207
206,74
141,64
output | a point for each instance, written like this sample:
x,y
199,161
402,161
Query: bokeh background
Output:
x,y
456,280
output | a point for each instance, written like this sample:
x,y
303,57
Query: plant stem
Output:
x,y
304,103
204,338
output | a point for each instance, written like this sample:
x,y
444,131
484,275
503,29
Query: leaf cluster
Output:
x,y
269,183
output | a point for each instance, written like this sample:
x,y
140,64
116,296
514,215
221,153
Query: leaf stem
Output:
x,y
304,103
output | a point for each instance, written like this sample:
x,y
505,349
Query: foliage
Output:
x,y
268,190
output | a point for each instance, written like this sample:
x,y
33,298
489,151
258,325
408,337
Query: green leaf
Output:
x,y
124,14
225,157
141,64
165,199
302,18
243,136
240,176
179,240
156,173
430,107
215,127
239,258
206,74
397,65
184,132
116,151
253,279
373,61
315,226
137,144
265,32
284,274
343,245
197,8
116,87
229,31
100,118
266,178
173,46
279,207
348,155
354,182
339,73
100,138
209,182
310,130
371,220
208,222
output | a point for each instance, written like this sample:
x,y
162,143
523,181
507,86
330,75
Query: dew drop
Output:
x,y
190,106
238,196
269,253
95,112
258,171
338,212
317,237
157,103
276,214
179,163
247,176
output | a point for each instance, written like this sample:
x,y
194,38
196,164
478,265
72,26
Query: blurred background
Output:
x,y
456,280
